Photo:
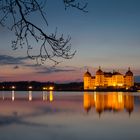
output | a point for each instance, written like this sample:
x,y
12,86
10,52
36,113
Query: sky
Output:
x,y
108,35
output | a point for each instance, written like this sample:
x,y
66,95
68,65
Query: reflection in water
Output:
x,y
44,95
30,95
110,102
64,118
45,98
13,95
51,96
2,95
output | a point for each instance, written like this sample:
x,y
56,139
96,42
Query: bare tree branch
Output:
x,y
75,4
51,46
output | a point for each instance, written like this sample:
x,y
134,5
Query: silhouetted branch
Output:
x,y
75,4
51,46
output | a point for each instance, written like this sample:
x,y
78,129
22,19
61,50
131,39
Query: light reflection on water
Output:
x,y
113,102
69,115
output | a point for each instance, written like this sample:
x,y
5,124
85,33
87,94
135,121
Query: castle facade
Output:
x,y
108,79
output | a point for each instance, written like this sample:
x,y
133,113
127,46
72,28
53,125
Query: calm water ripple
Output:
x,y
69,115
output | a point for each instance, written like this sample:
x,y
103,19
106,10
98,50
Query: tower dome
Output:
x,y
129,72
99,71
87,74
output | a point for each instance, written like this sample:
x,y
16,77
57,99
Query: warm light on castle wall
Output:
x,y
108,79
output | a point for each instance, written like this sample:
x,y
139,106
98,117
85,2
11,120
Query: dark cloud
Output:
x,y
54,70
10,60
3,77
36,66
50,110
15,119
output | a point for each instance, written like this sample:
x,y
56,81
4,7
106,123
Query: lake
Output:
x,y
69,115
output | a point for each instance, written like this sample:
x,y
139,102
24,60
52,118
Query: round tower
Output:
x,y
129,78
87,80
99,77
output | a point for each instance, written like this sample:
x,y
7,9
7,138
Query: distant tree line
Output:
x,y
38,86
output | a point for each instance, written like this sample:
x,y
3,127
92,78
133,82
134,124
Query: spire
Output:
x,y
129,73
87,74
113,71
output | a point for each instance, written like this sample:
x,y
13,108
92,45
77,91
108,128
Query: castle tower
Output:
x,y
129,79
87,80
99,77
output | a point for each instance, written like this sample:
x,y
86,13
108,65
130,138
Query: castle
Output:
x,y
108,79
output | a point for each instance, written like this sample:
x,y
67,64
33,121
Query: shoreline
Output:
x,y
66,87
118,90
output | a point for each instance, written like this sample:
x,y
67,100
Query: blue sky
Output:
x,y
107,36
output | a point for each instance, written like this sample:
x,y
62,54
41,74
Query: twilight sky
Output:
x,y
107,36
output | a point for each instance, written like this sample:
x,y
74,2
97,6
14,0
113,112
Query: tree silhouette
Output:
x,y
51,46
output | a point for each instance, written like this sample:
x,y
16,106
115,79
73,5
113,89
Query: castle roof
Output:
x,y
87,74
129,73
99,72
107,74
116,73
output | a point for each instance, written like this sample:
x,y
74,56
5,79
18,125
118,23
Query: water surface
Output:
x,y
69,115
